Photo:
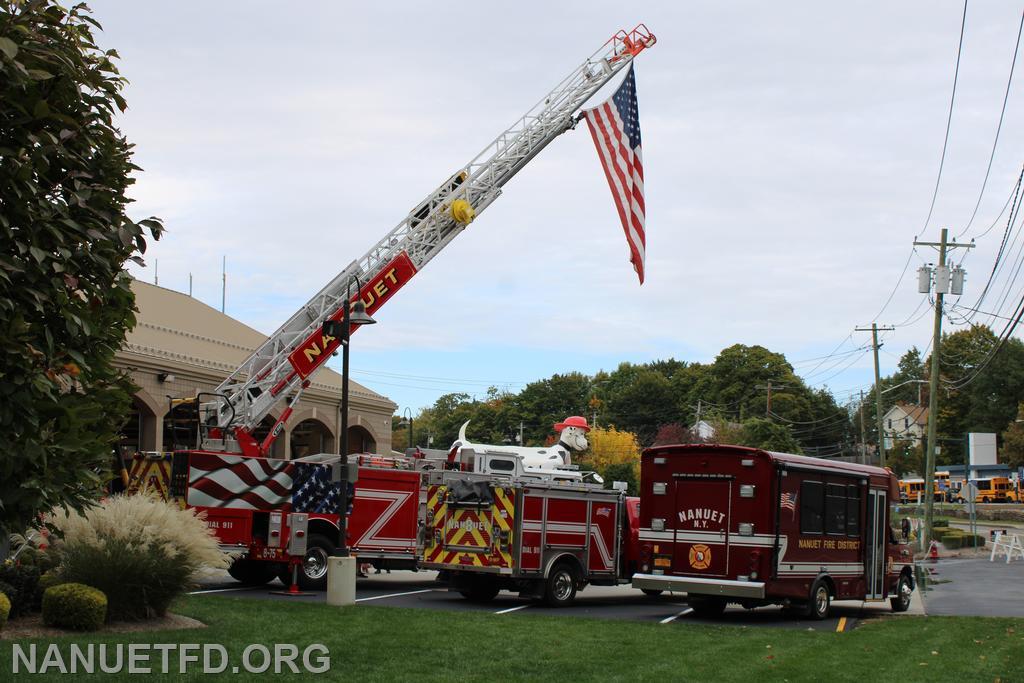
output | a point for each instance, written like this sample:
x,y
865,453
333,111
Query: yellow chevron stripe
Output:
x,y
435,495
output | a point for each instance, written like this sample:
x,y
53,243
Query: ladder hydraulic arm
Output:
x,y
282,365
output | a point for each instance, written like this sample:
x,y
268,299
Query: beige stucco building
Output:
x,y
181,346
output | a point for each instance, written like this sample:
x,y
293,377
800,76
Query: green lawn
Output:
x,y
389,644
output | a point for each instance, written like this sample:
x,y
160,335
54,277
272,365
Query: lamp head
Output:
x,y
359,316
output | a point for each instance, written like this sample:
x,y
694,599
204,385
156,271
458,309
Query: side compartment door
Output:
x,y
701,525
604,528
383,518
875,533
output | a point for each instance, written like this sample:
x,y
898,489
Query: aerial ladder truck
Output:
x,y
253,502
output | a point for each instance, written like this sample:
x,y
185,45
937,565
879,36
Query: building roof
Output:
x,y
175,326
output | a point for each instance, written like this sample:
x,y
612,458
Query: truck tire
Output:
x,y
708,606
560,586
901,601
480,589
252,573
819,602
313,572
651,592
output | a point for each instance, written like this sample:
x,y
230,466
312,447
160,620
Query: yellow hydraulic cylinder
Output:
x,y
462,212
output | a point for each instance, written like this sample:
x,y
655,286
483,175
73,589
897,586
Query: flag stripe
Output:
x,y
615,128
611,155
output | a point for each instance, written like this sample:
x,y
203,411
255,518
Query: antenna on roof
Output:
x,y
156,271
190,284
224,282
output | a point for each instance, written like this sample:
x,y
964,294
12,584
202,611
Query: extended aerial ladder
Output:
x,y
281,367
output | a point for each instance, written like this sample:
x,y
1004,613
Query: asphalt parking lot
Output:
x,y
975,587
420,590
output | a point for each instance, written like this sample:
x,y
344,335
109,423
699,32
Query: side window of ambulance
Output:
x,y
852,511
812,507
835,509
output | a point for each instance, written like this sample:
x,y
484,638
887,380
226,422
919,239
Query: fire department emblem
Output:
x,y
700,556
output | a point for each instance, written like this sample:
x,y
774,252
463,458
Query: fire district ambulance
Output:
x,y
736,524
495,524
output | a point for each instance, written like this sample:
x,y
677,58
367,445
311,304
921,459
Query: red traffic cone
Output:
x,y
933,551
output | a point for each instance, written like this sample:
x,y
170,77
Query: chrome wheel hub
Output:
x,y
563,586
315,564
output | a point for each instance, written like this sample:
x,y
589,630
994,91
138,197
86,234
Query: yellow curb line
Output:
x,y
841,625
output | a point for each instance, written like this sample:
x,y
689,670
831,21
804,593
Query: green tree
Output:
x,y
989,401
65,299
643,405
1012,450
771,436
905,457
622,471
544,403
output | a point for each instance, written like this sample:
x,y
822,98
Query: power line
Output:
x,y
999,128
949,119
895,289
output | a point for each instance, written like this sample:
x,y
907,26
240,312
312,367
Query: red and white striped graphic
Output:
x,y
239,482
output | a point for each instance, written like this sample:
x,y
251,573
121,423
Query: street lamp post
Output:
x,y
342,331
407,421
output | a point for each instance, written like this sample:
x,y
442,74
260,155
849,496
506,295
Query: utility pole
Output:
x,y
878,388
768,401
942,285
863,432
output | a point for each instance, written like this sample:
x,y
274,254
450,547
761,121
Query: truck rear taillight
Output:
x,y
755,562
645,557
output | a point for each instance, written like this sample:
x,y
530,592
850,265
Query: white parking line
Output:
x,y
675,616
223,590
393,595
512,609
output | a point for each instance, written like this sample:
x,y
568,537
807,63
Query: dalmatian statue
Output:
x,y
572,437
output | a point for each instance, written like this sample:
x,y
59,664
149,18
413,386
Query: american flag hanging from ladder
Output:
x,y
615,126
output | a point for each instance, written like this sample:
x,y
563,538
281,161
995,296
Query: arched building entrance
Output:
x,y
360,440
140,429
310,437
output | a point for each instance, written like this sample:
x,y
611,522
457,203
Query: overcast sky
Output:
x,y
790,154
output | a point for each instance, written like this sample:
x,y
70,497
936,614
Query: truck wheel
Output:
x,y
901,601
313,572
252,573
652,592
820,602
480,589
560,587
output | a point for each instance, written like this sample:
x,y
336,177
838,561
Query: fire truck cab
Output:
x,y
735,524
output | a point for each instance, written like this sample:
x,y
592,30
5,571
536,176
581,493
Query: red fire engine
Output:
x,y
736,524
543,534
270,512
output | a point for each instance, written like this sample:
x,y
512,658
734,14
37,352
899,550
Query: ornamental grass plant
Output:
x,y
142,552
